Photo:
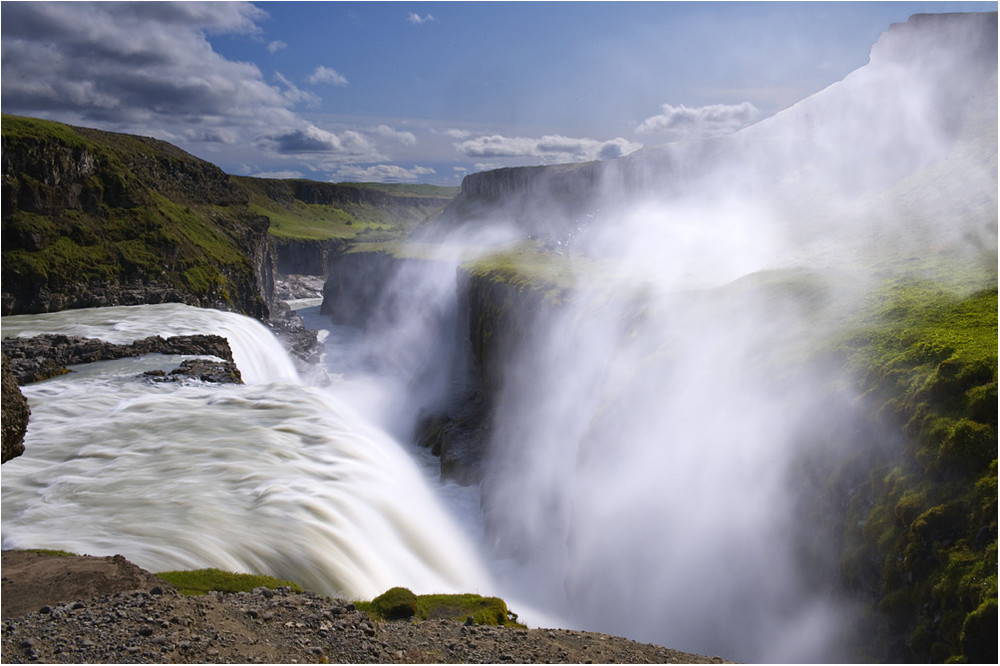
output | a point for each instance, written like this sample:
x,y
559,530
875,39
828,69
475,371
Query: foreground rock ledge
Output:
x,y
75,609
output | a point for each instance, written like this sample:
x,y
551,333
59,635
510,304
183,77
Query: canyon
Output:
x,y
667,375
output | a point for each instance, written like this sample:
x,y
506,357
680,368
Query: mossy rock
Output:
x,y
400,603
979,639
397,603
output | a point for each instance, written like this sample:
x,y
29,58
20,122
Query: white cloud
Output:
x,y
294,93
457,133
406,138
381,173
276,45
711,120
417,19
312,139
326,75
550,149
145,68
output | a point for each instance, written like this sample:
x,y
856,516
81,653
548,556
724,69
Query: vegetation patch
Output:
x,y
925,359
400,603
203,581
362,212
49,552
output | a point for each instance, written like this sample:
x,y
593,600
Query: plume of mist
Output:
x,y
652,438
657,438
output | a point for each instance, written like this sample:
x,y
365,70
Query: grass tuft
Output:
x,y
203,581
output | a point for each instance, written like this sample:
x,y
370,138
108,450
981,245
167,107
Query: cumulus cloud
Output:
x,y
711,120
406,138
326,75
381,173
276,45
417,19
457,133
312,139
549,149
139,67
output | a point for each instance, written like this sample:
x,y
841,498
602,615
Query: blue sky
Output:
x,y
427,92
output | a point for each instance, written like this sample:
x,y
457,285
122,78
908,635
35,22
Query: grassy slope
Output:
x,y
292,218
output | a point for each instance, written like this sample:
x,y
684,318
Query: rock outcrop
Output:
x,y
15,414
42,356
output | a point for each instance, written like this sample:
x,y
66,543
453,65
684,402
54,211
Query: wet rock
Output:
x,y
42,356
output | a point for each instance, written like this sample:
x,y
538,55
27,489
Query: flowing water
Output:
x,y
273,476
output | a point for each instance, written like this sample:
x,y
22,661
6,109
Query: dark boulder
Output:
x,y
202,369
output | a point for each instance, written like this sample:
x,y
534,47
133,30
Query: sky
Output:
x,y
427,92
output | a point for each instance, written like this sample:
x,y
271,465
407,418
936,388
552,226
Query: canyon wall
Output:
x,y
94,218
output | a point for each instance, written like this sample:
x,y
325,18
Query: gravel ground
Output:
x,y
106,610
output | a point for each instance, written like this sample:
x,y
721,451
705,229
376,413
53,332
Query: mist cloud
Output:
x,y
551,148
711,120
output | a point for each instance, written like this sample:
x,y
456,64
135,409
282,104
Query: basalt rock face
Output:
x,y
15,414
496,318
547,201
356,284
306,257
94,218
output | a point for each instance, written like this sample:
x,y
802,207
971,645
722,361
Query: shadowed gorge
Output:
x,y
733,395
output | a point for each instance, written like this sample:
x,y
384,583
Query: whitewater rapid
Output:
x,y
269,477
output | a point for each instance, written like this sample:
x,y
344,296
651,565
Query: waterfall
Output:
x,y
269,477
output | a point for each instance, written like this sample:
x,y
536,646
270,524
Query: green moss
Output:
x,y
401,603
202,581
925,356
397,603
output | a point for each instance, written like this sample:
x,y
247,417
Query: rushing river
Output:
x,y
274,476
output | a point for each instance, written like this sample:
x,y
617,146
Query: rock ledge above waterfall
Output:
x,y
85,610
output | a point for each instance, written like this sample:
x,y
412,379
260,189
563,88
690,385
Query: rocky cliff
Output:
x,y
94,218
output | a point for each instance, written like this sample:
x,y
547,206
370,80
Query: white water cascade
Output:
x,y
269,477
